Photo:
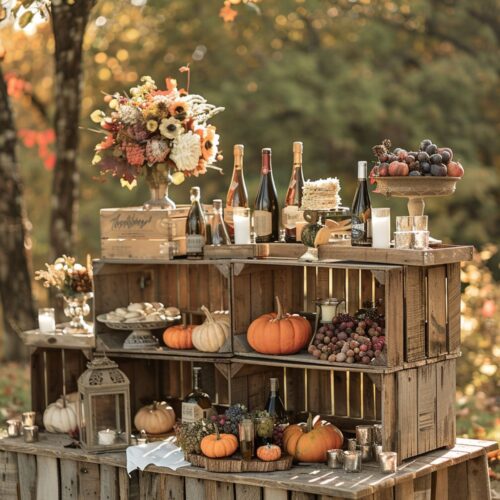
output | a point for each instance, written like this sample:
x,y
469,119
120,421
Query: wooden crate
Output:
x,y
421,304
134,249
184,284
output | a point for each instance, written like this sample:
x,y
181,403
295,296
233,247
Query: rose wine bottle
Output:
x,y
197,404
361,233
195,226
237,195
293,200
266,207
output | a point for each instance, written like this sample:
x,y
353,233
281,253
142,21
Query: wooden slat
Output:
x,y
195,287
439,485
295,397
394,317
69,479
390,439
453,292
407,412
404,490
282,285
195,488
426,432
183,291
124,483
353,290
384,494
261,294
47,479
478,485
246,492
415,313
88,481
312,293
300,495
338,283
108,483
369,409
355,394
8,475
275,494
241,313
445,403
422,487
436,309
214,490
26,465
340,393
216,289
458,482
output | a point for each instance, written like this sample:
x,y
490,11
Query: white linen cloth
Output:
x,y
160,453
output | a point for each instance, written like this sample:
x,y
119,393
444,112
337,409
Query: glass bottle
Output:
x,y
274,405
361,233
293,200
237,195
197,404
218,229
266,213
195,226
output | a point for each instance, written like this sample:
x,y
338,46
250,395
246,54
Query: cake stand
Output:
x,y
140,336
416,189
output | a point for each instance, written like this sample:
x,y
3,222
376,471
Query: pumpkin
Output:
x,y
179,336
219,445
212,334
156,418
60,416
269,453
309,442
279,333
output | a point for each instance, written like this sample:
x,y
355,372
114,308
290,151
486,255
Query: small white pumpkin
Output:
x,y
212,334
155,418
60,417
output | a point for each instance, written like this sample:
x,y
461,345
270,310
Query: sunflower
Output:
x,y
171,128
209,144
152,125
179,109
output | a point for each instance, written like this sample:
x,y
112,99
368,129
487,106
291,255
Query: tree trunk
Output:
x,y
15,277
68,24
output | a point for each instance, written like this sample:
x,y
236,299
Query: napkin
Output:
x,y
160,453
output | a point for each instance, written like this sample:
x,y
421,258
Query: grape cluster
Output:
x,y
232,417
80,280
278,431
189,435
350,339
429,160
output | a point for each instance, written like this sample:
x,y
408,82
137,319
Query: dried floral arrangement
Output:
x,y
156,133
66,275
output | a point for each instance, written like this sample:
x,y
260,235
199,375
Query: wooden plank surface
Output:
x,y
445,403
414,291
458,482
478,485
246,492
9,478
26,465
394,317
453,294
426,432
439,484
108,483
436,310
69,479
422,487
404,490
88,481
47,479
407,408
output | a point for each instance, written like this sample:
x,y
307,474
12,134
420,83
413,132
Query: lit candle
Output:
x,y
241,221
381,227
46,320
107,437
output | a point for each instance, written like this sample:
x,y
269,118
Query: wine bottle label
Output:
x,y
233,186
361,229
292,215
191,412
263,222
194,243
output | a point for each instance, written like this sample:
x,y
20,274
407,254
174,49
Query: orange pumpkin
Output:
x,y
219,445
269,453
279,333
179,336
309,441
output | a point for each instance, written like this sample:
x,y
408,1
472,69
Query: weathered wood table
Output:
x,y
47,471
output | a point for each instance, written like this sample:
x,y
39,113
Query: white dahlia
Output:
x,y
186,151
129,115
156,150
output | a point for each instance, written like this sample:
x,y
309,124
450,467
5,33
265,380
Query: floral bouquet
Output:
x,y
162,135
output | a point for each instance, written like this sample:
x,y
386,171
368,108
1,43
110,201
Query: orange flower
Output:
x,y
209,144
200,169
105,144
179,109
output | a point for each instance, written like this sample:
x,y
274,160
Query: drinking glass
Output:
x,y
246,433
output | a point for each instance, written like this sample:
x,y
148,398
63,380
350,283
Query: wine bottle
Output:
x,y
361,232
266,213
237,195
218,229
197,404
195,226
274,405
293,200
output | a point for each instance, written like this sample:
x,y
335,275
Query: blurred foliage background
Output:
x,y
338,75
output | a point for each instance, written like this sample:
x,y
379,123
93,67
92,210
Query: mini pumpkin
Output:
x,y
156,418
212,334
219,445
279,333
309,441
269,453
179,336
60,416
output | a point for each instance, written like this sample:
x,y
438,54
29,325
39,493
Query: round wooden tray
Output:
x,y
237,464
138,325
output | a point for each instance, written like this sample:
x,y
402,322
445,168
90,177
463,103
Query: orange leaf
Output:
x,y
227,13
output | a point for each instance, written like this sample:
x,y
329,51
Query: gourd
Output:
x,y
309,441
269,452
279,333
221,316
211,335
156,418
219,445
60,416
179,336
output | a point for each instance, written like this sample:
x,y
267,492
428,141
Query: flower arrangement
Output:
x,y
163,135
67,275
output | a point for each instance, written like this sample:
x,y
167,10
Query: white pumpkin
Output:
x,y
60,417
212,334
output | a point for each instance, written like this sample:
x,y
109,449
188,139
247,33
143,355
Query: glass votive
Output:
x,y
46,320
264,427
403,240
366,452
404,223
246,432
420,222
377,433
352,461
241,221
133,440
335,459
106,437
13,427
381,227
364,434
352,444
376,451
28,418
30,433
420,240
388,461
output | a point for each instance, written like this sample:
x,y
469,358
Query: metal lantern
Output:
x,y
103,407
